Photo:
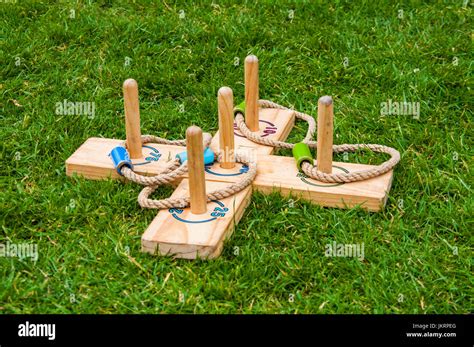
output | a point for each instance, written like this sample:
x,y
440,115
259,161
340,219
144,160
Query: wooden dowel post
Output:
x,y
132,118
325,134
251,93
197,184
225,103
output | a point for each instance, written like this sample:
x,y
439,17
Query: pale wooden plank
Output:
x,y
280,174
274,172
167,235
91,160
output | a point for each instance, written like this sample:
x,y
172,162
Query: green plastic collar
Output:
x,y
240,108
302,153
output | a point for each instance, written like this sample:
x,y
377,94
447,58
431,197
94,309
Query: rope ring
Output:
x,y
254,137
310,170
347,177
146,202
171,172
175,170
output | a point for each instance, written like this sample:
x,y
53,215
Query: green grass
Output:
x,y
418,253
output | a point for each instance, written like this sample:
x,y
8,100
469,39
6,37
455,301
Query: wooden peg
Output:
x,y
197,184
251,93
325,133
225,102
132,118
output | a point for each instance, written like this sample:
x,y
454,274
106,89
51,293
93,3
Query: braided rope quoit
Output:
x,y
167,176
175,170
146,202
312,171
255,137
172,172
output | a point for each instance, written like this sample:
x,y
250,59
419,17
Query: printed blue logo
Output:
x,y
154,155
218,212
242,170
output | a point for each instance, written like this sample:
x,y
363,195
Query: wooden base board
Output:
x,y
181,234
91,160
276,173
275,124
280,173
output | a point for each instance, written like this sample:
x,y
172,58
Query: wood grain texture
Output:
x,y
167,235
197,186
91,160
251,93
280,174
325,134
274,173
132,118
225,103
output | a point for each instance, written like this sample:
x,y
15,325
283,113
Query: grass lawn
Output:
x,y
418,251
